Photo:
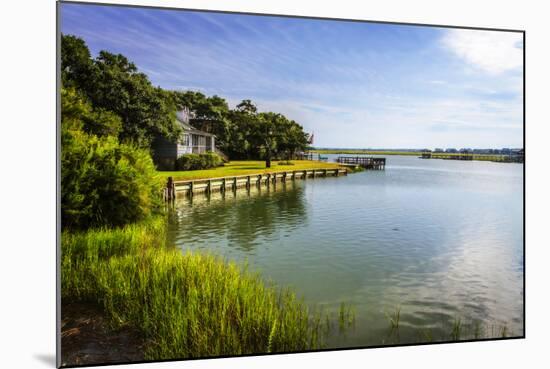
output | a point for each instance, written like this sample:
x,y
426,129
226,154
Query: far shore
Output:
x,y
434,155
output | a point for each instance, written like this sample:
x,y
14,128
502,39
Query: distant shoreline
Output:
x,y
434,155
366,152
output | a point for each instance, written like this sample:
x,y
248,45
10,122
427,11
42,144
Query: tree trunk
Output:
x,y
268,158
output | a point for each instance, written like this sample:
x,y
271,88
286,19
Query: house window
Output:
x,y
185,140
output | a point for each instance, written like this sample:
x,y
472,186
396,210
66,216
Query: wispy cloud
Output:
x,y
494,52
354,84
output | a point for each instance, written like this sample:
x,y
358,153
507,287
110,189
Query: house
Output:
x,y
192,141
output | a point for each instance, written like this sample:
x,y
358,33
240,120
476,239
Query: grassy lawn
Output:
x,y
237,168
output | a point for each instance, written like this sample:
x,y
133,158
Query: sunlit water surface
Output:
x,y
441,240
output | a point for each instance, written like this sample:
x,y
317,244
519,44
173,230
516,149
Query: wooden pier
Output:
x,y
366,162
313,156
222,184
429,155
518,158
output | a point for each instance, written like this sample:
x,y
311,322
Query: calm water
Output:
x,y
440,239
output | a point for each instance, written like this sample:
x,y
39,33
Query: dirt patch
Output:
x,y
87,339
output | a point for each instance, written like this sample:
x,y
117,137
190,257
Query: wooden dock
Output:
x,y
366,162
483,157
429,155
222,184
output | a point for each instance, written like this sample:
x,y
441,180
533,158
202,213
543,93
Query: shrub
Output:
x,y
104,182
196,162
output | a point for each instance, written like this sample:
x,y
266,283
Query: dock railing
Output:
x,y
367,162
222,184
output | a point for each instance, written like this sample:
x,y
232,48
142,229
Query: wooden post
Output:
x,y
222,188
209,186
234,183
173,191
191,188
325,173
305,174
248,182
170,187
259,180
268,179
293,175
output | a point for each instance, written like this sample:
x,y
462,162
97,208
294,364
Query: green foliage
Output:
x,y
112,83
210,114
79,114
188,305
104,182
198,161
76,63
256,135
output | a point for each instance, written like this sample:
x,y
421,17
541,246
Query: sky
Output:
x,y
352,84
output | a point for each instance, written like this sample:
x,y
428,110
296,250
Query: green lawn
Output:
x,y
237,168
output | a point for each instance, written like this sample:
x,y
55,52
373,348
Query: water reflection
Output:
x,y
244,218
440,239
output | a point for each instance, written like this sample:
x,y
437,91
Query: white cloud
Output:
x,y
492,51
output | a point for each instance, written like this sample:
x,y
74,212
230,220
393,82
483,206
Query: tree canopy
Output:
x,y
112,83
111,97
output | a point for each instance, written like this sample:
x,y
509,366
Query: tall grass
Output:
x,y
186,305
456,329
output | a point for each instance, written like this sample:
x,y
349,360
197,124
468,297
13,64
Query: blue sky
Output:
x,y
352,84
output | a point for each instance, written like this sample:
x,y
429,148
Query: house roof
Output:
x,y
187,128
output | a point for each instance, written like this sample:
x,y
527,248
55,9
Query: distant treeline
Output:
x,y
136,111
504,151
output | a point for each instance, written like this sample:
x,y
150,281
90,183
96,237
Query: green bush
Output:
x,y
198,161
104,182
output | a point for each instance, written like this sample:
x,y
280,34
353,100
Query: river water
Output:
x,y
438,240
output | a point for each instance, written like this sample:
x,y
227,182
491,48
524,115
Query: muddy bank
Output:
x,y
87,339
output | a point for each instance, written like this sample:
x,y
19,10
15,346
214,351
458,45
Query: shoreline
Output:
x,y
499,158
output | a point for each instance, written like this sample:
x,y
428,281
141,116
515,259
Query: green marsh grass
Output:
x,y
457,329
185,304
393,319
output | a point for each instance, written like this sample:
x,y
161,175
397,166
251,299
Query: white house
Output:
x,y
192,141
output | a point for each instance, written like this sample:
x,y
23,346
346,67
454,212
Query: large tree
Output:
x,y
243,132
263,135
113,83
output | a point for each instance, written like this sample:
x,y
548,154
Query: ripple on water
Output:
x,y
438,238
